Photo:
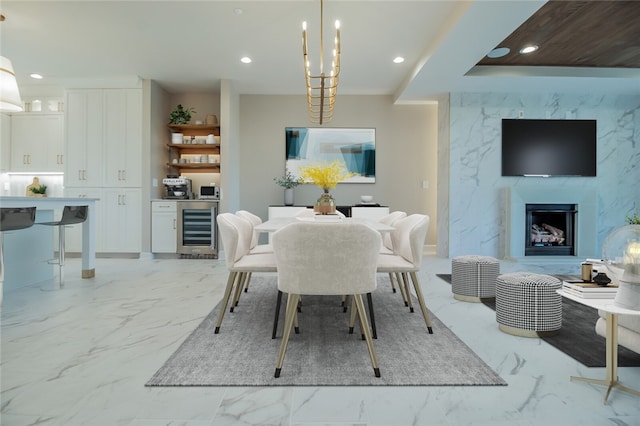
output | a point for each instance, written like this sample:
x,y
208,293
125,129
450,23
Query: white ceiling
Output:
x,y
188,46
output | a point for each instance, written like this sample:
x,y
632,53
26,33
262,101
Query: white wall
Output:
x,y
406,151
475,204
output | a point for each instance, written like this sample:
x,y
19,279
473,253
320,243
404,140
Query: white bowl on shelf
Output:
x,y
366,198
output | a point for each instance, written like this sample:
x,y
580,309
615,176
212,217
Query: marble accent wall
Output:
x,y
476,202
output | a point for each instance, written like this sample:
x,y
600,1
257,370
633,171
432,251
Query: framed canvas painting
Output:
x,y
316,145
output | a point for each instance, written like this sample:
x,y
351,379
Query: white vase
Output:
x,y
288,196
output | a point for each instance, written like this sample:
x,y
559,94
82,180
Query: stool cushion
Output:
x,y
529,301
474,276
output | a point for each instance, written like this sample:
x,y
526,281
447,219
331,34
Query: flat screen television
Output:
x,y
548,147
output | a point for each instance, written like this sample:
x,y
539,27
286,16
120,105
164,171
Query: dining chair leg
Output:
x,y
236,294
352,318
423,306
277,317
345,303
225,299
402,288
393,286
292,304
407,291
275,320
246,285
367,333
374,332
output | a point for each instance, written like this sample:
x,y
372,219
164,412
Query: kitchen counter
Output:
x,y
28,251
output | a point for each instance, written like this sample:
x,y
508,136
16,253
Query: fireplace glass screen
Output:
x,y
550,230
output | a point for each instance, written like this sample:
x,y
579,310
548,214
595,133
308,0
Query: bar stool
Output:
x,y
71,215
12,219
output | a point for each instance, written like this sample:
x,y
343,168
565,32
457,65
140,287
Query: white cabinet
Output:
x,y
164,223
104,153
37,142
84,119
371,213
123,137
122,223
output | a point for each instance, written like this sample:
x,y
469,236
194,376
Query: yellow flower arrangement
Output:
x,y
324,175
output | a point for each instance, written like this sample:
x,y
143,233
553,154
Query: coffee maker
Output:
x,y
177,188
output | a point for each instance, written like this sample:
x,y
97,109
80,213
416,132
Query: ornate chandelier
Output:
x,y
321,88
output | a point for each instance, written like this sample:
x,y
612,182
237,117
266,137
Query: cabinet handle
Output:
x,y
79,174
84,174
175,223
124,175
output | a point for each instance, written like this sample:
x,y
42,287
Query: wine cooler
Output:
x,y
197,228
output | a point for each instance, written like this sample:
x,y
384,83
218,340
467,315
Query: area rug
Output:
x,y
577,337
324,353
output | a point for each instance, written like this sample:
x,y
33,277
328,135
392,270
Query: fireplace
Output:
x,y
550,229
584,229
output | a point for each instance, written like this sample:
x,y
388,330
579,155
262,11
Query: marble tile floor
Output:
x,y
81,356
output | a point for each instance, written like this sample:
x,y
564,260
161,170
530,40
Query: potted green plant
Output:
x,y
288,181
181,115
39,191
633,220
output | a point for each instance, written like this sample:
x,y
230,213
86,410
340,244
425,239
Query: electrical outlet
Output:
x,y
520,114
425,184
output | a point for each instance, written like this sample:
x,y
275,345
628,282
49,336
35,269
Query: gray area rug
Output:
x,y
323,354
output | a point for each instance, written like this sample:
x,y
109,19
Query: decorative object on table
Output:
x,y
212,120
366,199
36,189
321,88
181,115
288,181
325,176
621,254
586,271
601,279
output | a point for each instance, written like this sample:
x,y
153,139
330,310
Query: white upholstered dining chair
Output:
x,y
326,258
235,234
255,220
408,242
387,245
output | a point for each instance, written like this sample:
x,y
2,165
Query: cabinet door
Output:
x,y
84,136
37,143
73,234
164,223
123,137
371,213
121,220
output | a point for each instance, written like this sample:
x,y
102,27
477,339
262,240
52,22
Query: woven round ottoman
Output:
x,y
474,277
528,304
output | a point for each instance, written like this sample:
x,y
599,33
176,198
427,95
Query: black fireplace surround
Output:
x,y
550,229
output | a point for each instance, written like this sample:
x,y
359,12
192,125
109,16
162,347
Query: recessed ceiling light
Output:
x,y
238,11
398,60
528,49
499,52
245,60
36,76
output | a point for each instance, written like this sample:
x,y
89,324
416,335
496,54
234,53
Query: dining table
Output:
x,y
276,223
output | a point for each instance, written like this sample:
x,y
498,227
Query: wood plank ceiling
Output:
x,y
577,34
